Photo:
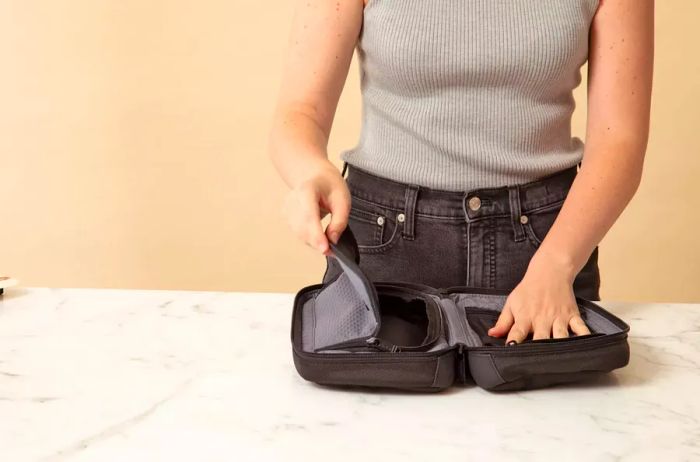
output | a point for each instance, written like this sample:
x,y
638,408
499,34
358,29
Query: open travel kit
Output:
x,y
351,331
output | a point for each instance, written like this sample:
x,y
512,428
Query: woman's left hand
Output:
x,y
543,303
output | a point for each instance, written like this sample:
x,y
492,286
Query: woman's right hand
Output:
x,y
323,191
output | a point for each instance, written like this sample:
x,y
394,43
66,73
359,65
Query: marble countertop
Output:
x,y
102,375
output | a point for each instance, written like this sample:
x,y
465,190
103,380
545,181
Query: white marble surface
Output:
x,y
102,375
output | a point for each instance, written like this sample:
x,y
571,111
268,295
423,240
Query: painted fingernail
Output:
x,y
512,342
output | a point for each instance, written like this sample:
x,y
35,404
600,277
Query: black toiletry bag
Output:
x,y
352,331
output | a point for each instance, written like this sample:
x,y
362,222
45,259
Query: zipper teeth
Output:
x,y
462,349
528,347
536,347
387,355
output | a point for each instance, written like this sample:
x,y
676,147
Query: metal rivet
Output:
x,y
475,203
523,219
400,217
380,221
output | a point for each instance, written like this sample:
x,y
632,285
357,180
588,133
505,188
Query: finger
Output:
x,y
517,333
314,234
328,252
543,329
560,329
340,210
578,326
505,320
317,238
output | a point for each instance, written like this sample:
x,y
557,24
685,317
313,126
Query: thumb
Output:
x,y
339,205
502,326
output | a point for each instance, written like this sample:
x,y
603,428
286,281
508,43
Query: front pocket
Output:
x,y
571,336
481,320
539,222
376,228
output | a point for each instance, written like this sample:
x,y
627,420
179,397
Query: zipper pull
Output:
x,y
442,292
380,345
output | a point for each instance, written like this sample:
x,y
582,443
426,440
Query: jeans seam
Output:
x,y
376,204
411,197
467,237
491,282
363,216
551,205
440,217
378,233
534,240
395,236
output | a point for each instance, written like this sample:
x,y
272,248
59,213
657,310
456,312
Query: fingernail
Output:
x,y
334,237
512,342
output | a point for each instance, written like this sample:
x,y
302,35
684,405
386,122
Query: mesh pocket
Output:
x,y
340,314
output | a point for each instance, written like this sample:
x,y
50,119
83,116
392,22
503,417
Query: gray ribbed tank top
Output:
x,y
464,94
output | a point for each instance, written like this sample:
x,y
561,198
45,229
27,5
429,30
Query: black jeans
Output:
x,y
479,238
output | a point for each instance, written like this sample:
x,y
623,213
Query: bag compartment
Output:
x,y
428,370
536,363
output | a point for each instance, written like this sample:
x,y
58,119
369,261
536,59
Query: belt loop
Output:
x,y
410,211
516,212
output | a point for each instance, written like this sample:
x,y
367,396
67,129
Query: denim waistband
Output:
x,y
514,200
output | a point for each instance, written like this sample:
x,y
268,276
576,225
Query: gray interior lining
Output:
x,y
307,325
364,288
458,329
456,302
595,321
486,301
336,314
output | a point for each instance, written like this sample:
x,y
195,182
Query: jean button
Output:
x,y
524,219
475,203
380,221
401,217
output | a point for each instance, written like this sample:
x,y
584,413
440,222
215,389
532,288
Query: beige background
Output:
x,y
133,151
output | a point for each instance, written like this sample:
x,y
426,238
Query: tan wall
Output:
x,y
132,151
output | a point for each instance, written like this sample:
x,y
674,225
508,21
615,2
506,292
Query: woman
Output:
x,y
466,172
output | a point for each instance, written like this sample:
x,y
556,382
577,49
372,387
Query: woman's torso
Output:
x,y
465,94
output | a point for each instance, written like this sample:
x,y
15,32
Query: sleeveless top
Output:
x,y
466,94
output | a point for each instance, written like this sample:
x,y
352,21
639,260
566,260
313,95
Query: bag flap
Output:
x,y
347,308
348,256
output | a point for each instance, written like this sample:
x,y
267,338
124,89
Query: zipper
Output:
x,y
386,354
422,288
385,349
536,347
472,290
380,355
549,347
382,345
